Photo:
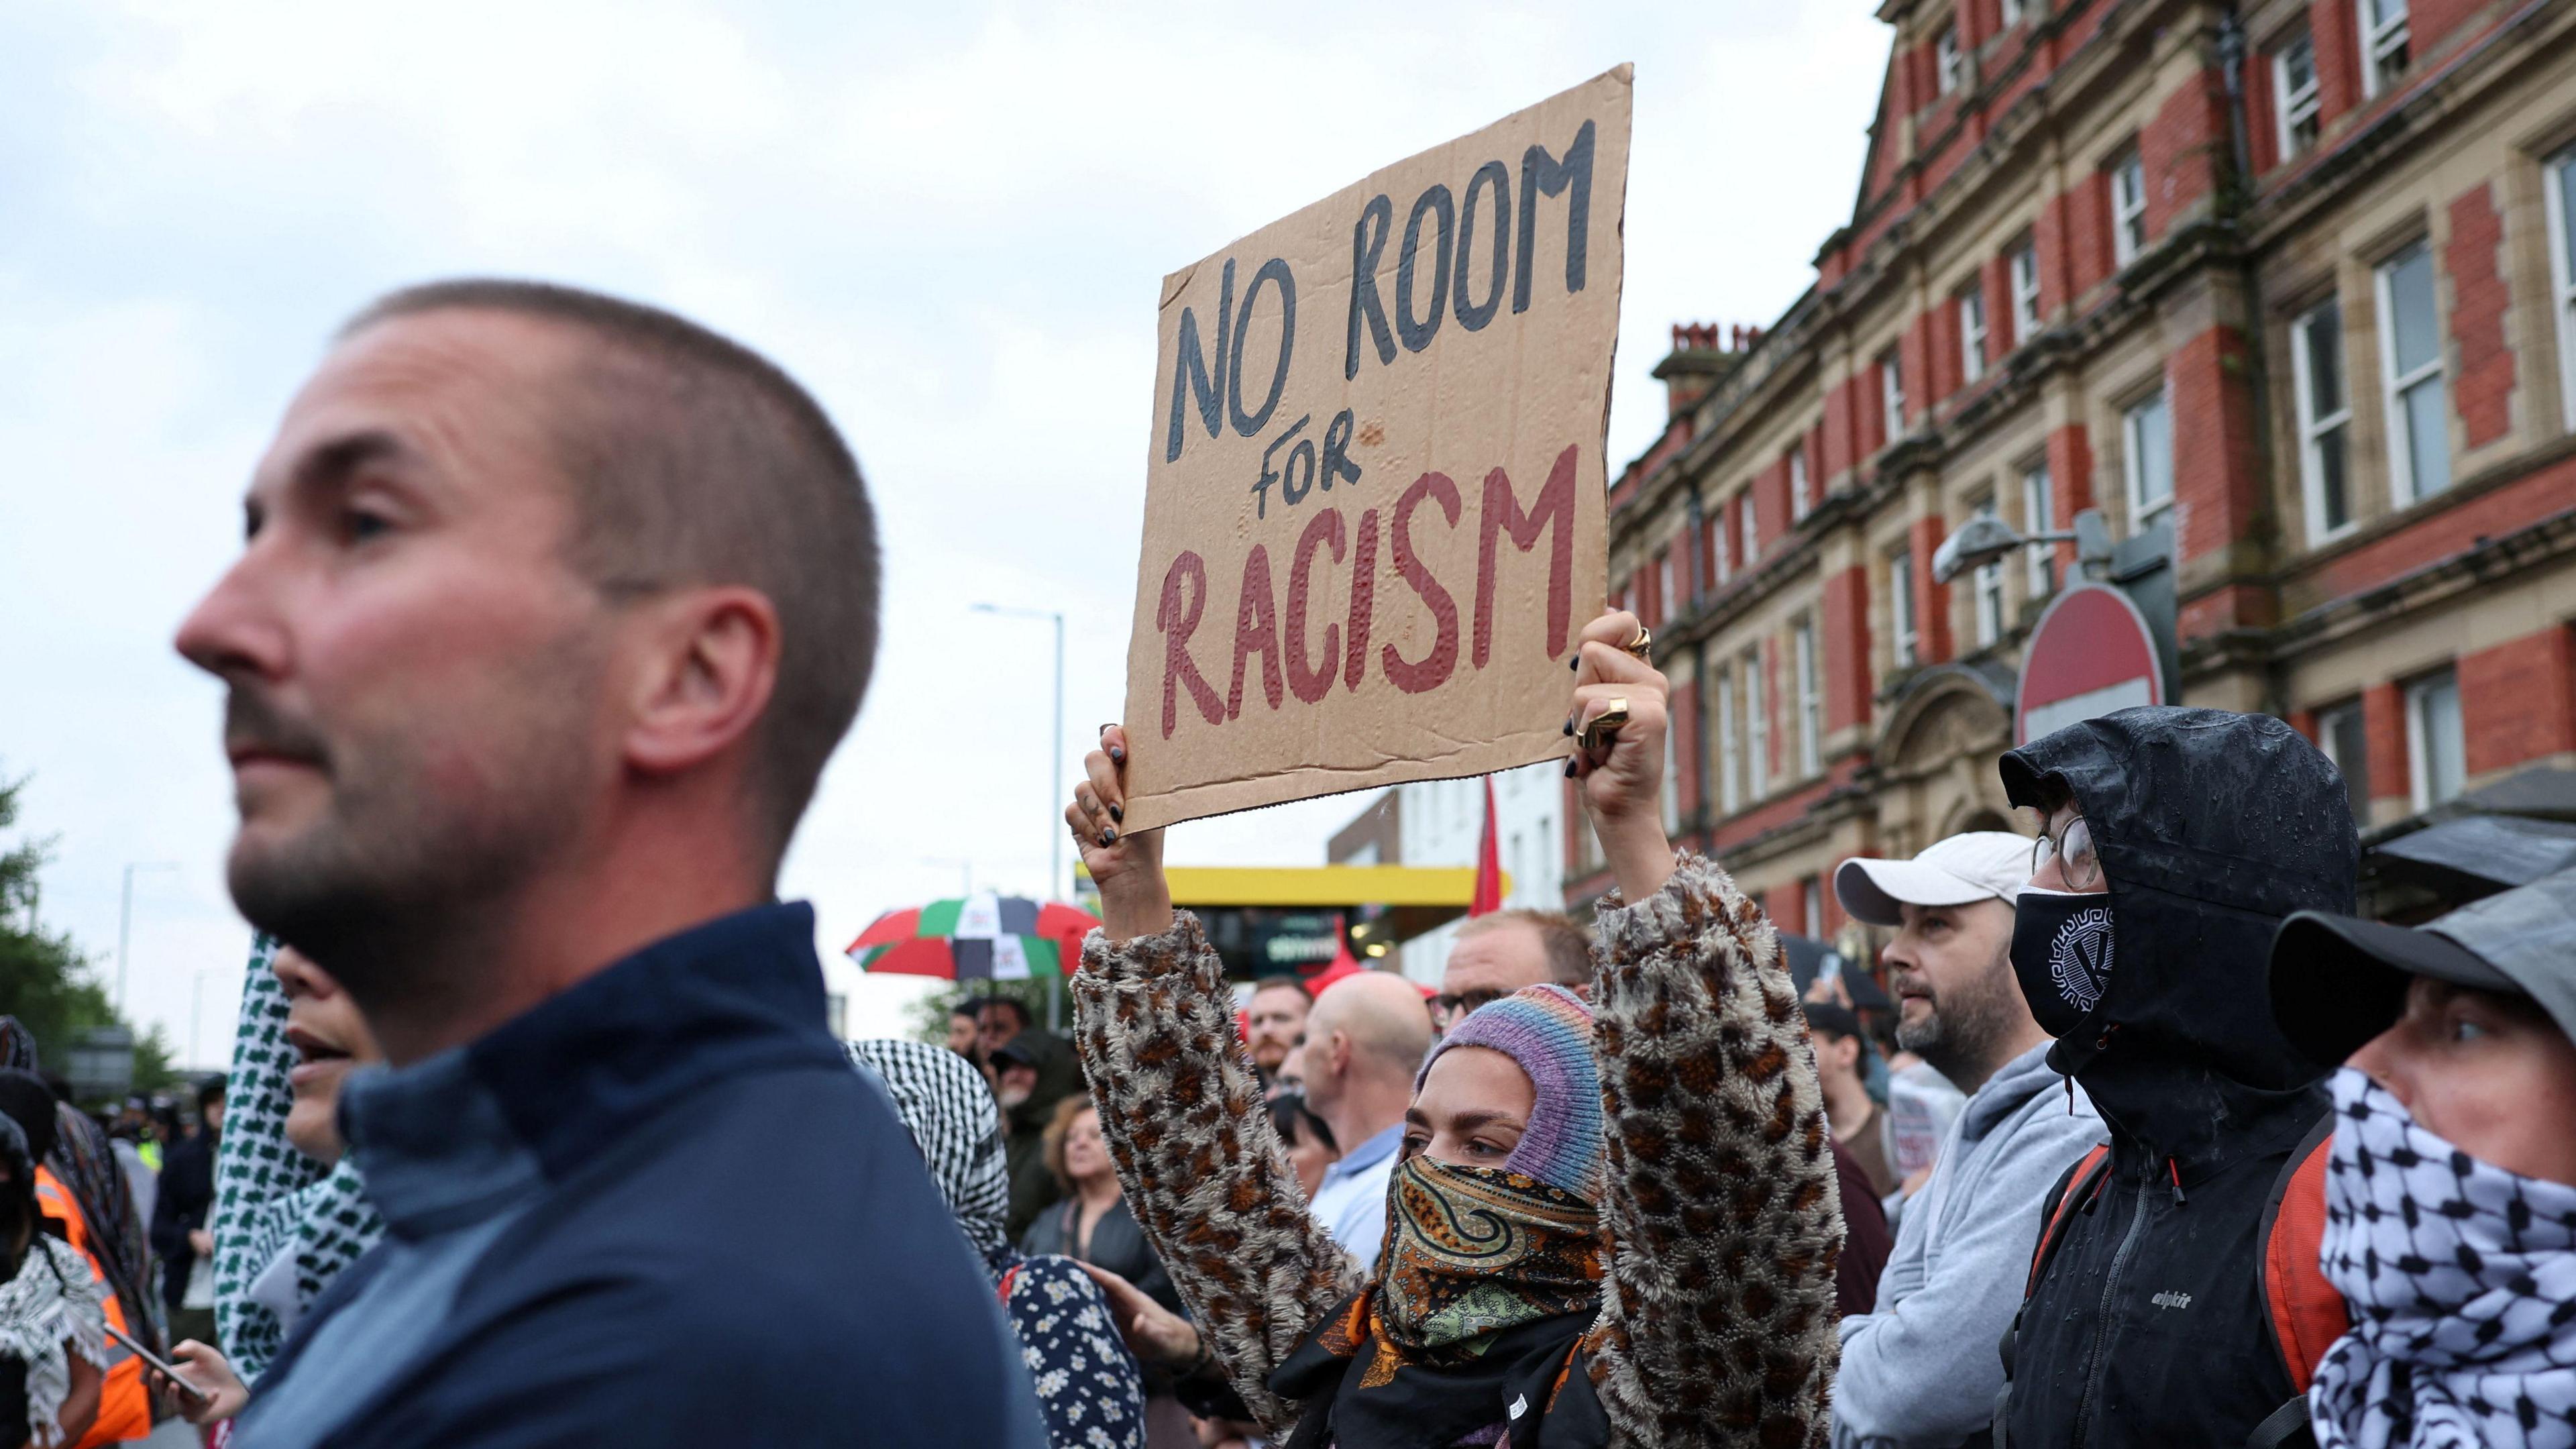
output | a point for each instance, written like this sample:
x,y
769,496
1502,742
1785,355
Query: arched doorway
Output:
x,y
1936,757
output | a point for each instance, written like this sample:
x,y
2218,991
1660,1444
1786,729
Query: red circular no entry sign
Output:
x,y
2091,654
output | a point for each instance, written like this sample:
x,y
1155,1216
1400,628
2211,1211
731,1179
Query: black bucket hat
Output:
x,y
2338,981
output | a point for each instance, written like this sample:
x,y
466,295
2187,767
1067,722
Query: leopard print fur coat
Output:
x,y
1717,1326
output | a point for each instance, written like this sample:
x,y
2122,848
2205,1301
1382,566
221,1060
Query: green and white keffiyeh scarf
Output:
x,y
272,1201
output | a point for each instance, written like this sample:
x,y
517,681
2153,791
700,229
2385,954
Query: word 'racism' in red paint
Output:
x,y
1296,660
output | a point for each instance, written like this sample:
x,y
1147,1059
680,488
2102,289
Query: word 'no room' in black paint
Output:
x,y
1441,236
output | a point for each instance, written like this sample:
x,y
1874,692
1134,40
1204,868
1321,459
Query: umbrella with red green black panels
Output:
x,y
982,937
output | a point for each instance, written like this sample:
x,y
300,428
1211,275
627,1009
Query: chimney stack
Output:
x,y
1703,354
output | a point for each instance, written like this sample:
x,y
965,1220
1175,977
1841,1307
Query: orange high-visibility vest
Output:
x,y
124,1405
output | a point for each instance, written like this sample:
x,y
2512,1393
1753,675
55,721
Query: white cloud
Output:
x,y
949,221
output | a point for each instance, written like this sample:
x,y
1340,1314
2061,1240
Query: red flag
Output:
x,y
1344,963
1489,863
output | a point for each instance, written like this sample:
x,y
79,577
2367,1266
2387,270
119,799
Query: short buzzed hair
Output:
x,y
1568,946
1389,1027
1282,981
696,461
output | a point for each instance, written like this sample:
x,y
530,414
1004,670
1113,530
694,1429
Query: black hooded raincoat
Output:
x,y
2148,1326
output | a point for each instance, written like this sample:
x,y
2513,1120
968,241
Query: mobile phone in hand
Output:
x,y
168,1370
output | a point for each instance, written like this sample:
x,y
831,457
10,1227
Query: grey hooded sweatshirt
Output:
x,y
1922,1371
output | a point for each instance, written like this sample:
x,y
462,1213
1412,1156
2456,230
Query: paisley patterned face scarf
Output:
x,y
2061,951
2461,1278
1488,1281
1490,1276
1474,1251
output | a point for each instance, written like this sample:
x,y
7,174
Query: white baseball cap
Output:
x,y
1980,865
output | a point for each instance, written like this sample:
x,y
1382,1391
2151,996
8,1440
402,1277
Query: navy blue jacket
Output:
x,y
670,1214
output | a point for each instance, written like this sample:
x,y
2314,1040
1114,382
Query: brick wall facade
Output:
x,y
1846,648
2518,699
2270,616
2484,393
2218,474
2184,151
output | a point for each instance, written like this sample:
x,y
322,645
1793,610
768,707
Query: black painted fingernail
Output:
x,y
1109,836
1575,663
1569,724
1117,754
1569,768
1117,814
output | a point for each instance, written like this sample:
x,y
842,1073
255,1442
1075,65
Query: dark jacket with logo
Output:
x,y
2148,1326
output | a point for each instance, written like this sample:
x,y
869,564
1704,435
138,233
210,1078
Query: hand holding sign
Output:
x,y
1623,778
1374,501
1126,865
1623,785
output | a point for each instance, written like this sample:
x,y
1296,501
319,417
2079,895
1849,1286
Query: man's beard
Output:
x,y
389,885
1962,1030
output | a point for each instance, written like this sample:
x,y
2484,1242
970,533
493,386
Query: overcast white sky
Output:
x,y
950,221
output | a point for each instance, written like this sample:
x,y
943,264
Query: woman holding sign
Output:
x,y
1613,1224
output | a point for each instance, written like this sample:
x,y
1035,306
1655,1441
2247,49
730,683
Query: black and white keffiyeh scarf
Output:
x,y
953,1117
1088,1385
52,1308
2461,1278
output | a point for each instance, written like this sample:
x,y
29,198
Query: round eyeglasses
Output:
x,y
2072,847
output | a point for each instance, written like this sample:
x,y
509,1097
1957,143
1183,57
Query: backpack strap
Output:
x,y
2283,1426
2303,1314
2073,1193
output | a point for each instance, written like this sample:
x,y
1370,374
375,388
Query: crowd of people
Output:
x,y
551,609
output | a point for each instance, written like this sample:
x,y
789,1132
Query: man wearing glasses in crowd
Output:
x,y
1498,953
2174,841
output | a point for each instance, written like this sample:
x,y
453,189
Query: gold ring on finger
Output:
x,y
1603,726
1643,646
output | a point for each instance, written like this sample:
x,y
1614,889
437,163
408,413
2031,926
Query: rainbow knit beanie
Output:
x,y
1548,1031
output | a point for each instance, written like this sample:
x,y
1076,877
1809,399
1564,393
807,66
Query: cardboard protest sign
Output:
x,y
1374,514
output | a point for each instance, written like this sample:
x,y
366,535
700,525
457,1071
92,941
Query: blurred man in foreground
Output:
x,y
551,609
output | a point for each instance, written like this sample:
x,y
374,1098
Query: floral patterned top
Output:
x,y
1085,1378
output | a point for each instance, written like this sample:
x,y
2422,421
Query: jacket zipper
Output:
x,y
2110,1288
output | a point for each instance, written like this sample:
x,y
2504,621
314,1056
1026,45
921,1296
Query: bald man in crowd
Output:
x,y
1365,1040
1498,953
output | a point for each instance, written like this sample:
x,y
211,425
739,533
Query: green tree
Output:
x,y
44,978
930,1014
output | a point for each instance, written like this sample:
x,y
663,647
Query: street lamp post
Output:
x,y
125,923
1055,786
197,1002
1055,746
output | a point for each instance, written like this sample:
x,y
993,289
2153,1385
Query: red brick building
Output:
x,y
2295,275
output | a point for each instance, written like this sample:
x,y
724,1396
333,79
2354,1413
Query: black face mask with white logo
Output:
x,y
2061,951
